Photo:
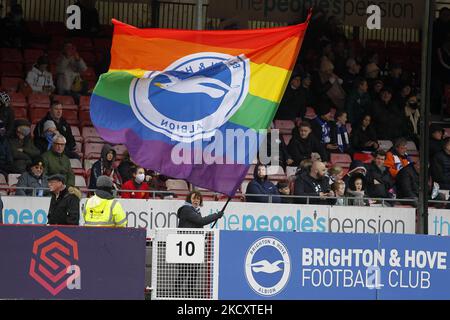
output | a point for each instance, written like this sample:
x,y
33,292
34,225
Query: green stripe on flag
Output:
x,y
255,113
115,86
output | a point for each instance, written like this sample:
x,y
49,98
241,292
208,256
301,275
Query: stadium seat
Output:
x,y
363,156
89,74
10,84
88,57
76,134
11,55
290,171
64,99
85,101
72,107
75,163
173,184
13,178
57,43
310,113
38,98
85,118
340,158
37,114
244,185
92,150
45,106
32,55
20,112
385,144
71,117
80,181
82,44
90,134
53,55
88,163
250,172
35,29
54,28
18,99
411,146
120,150
285,126
11,69
275,170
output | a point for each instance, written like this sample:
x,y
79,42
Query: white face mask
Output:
x,y
140,177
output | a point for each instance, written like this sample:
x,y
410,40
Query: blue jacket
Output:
x,y
263,187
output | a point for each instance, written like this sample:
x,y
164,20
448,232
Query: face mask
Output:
x,y
25,131
140,177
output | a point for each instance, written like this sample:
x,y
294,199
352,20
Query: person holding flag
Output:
x,y
189,215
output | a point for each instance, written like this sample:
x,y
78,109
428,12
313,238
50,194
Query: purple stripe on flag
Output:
x,y
156,155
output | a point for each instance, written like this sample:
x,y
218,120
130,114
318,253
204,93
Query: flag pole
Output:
x,y
223,209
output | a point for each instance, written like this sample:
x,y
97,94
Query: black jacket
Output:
x,y
440,170
188,217
292,105
301,149
407,182
63,128
360,137
388,121
7,116
305,185
65,210
383,177
435,146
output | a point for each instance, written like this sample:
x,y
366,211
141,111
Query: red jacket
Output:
x,y
132,185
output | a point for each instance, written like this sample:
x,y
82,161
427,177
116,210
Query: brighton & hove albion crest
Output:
x,y
193,97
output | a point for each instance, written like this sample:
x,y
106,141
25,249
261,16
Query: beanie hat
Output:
x,y
49,124
104,182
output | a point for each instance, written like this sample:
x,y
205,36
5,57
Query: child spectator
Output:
x,y
136,184
356,190
338,187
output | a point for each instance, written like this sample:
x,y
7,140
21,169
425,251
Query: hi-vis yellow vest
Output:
x,y
100,212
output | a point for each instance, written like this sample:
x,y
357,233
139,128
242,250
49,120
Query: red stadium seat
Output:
x,y
10,84
340,158
89,74
57,43
38,98
90,134
88,57
11,69
54,28
92,150
32,55
362,156
45,106
72,107
53,55
120,150
85,101
85,119
18,99
71,117
11,55
20,113
178,185
82,43
37,114
64,99
285,126
35,29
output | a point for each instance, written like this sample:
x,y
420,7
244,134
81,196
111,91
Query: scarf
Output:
x,y
325,139
342,137
413,116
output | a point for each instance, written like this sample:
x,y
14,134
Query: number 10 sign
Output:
x,y
185,248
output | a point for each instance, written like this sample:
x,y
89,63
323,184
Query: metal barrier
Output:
x,y
187,281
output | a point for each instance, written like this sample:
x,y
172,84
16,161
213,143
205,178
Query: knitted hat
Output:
x,y
57,177
104,182
49,124
37,161
4,98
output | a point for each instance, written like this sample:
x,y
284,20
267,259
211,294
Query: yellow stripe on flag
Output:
x,y
268,82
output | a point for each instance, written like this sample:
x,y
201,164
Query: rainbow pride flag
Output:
x,y
186,102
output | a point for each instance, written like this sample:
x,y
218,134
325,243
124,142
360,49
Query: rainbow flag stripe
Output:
x,y
170,87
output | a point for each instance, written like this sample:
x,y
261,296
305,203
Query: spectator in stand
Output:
x,y
321,128
351,75
407,181
358,102
56,115
303,144
137,184
65,203
6,114
126,167
403,95
6,157
436,143
375,89
284,190
314,183
56,162
443,66
372,73
260,187
441,27
397,158
292,105
34,178
13,30
49,130
158,182
394,79
364,137
339,133
412,115
22,146
39,79
306,92
356,168
105,167
68,68
355,189
304,166
328,85
440,166
379,180
340,56
387,119
338,187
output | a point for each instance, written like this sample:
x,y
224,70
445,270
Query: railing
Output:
x,y
309,199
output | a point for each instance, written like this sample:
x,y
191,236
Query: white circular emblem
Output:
x,y
192,97
267,266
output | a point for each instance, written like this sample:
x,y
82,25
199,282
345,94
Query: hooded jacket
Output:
x,y
37,79
105,167
65,210
262,187
301,149
395,162
189,217
354,166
